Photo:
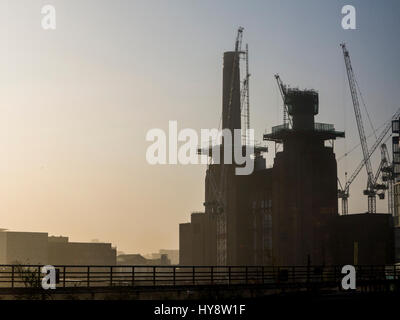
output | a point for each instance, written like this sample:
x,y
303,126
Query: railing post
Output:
x,y
262,274
39,276
212,274
88,276
111,276
246,275
154,276
64,276
334,275
293,274
322,274
12,276
133,276
193,276
278,275
174,275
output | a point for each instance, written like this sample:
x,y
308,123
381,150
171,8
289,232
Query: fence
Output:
x,y
324,127
13,276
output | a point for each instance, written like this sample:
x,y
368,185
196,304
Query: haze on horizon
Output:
x,y
76,103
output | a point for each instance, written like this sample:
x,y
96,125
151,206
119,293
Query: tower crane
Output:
x,y
343,193
370,190
383,167
388,177
245,101
218,190
219,185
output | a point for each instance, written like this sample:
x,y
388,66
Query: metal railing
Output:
x,y
318,126
279,128
14,276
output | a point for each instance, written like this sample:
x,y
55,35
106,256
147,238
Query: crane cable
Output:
x,y
345,124
357,145
365,108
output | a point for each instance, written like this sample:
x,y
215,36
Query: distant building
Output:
x,y
62,252
131,260
197,239
23,247
142,264
173,255
37,248
138,260
185,244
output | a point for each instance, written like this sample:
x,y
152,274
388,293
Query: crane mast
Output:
x,y
370,192
245,101
282,88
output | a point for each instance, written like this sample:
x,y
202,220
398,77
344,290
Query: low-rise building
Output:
x,y
23,247
173,255
138,260
63,252
37,248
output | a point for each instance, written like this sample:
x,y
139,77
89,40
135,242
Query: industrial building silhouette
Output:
x,y
286,214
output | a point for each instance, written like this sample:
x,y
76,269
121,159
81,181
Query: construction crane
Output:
x,y
218,176
384,166
388,178
223,180
343,193
245,101
386,173
370,190
220,186
287,121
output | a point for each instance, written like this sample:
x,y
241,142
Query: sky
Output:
x,y
76,102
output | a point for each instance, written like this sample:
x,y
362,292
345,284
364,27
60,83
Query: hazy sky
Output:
x,y
76,103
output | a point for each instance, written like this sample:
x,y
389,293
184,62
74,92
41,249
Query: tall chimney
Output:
x,y
231,70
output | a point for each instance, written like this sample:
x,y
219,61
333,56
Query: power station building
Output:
x,y
287,214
